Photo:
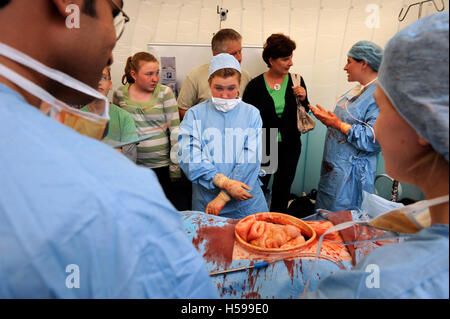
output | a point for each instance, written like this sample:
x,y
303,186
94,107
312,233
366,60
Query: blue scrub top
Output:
x,y
77,213
414,269
229,143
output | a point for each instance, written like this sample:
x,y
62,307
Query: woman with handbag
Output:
x,y
275,95
350,154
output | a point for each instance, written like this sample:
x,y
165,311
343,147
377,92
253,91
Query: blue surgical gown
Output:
x,y
349,161
75,211
414,269
213,142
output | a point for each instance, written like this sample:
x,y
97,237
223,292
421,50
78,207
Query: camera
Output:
x,y
223,13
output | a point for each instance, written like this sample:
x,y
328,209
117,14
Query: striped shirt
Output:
x,y
158,115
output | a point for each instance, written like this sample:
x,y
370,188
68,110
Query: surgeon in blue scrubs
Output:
x,y
77,218
350,152
220,144
413,131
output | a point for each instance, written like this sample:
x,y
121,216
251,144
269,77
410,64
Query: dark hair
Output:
x,y
358,60
220,39
4,3
225,73
277,46
133,64
89,8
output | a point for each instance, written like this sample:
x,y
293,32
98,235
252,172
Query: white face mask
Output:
x,y
85,123
225,105
353,94
409,219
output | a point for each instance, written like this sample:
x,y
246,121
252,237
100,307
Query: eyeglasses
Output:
x,y
119,20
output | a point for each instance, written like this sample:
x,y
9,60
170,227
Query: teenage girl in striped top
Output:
x,y
154,109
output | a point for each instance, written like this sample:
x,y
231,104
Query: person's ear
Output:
x,y
62,6
364,65
133,75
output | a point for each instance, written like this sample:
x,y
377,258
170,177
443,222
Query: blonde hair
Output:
x,y
133,64
225,73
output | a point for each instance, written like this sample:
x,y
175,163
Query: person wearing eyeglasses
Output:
x,y
121,127
77,219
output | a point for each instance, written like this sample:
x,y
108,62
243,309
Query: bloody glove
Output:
x,y
235,189
330,119
215,206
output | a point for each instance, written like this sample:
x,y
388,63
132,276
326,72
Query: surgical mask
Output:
x,y
85,123
351,96
225,105
409,219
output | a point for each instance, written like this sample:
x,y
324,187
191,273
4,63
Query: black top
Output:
x,y
256,94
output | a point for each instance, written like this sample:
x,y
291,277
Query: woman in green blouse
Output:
x,y
275,96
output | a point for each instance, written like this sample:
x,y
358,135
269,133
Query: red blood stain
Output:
x,y
327,166
290,268
252,295
251,280
219,243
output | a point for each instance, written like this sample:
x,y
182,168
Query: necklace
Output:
x,y
270,80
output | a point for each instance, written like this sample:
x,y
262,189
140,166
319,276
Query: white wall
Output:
x,y
324,31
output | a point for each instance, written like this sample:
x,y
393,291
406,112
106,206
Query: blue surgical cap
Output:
x,y
223,61
367,51
414,75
